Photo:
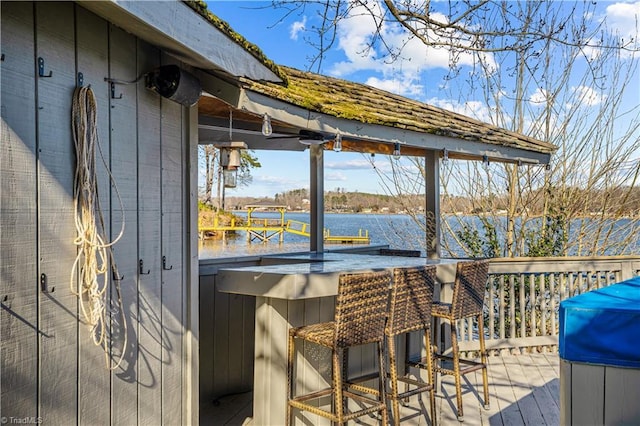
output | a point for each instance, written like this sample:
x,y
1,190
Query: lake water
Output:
x,y
398,231
395,230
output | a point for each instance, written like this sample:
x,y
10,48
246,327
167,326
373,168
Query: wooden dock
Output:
x,y
263,230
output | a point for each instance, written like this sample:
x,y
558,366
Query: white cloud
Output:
x,y
340,177
539,97
356,32
474,109
297,27
587,96
276,180
401,86
623,18
622,21
349,165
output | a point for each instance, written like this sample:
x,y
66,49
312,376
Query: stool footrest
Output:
x,y
299,402
471,366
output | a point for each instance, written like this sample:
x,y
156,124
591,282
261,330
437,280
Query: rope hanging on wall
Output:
x,y
95,257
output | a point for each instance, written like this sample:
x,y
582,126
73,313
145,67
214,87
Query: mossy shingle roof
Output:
x,y
201,7
366,104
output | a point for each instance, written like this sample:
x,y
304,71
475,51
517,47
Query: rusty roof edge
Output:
x,y
201,8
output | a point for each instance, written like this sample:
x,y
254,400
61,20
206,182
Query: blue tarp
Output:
x,y
602,326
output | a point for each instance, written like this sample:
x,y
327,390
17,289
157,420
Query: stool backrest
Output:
x,y
469,288
361,308
411,299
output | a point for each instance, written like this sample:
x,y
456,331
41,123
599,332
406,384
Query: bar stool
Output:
x,y
360,316
467,302
410,310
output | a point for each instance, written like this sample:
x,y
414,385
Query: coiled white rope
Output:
x,y
95,257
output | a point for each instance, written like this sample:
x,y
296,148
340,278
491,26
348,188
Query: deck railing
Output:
x,y
524,294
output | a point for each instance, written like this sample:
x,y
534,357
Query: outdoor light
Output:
x,y
230,178
230,161
174,83
445,157
266,125
396,151
337,144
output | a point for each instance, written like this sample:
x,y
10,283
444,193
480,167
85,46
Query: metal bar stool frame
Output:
x,y
360,317
468,301
410,310
410,305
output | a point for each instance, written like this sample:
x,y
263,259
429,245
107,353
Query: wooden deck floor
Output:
x,y
524,390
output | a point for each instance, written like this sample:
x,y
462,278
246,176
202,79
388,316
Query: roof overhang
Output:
x,y
288,120
177,29
364,137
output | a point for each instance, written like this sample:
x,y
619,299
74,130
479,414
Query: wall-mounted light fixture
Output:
x,y
396,151
337,143
267,129
174,83
169,81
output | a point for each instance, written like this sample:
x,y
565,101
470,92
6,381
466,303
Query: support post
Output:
x,y
432,207
316,169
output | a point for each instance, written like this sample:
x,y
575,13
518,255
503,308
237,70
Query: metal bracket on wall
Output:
x,y
80,79
44,286
2,57
41,69
116,277
113,92
164,264
142,268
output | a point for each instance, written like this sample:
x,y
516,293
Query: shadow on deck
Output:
x,y
524,389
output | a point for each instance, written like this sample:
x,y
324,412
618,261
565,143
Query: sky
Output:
x,y
418,75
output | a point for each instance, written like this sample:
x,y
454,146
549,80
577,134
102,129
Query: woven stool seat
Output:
x,y
323,334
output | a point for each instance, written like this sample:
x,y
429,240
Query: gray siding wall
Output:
x,y
227,341
50,368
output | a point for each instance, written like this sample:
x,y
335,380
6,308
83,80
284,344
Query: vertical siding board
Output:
x,y
248,339
207,296
235,344
92,61
122,65
149,238
587,394
172,243
621,396
58,306
220,343
191,306
18,253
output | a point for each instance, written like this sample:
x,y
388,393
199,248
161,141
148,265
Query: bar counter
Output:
x,y
299,289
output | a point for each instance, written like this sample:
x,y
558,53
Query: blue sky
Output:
x,y
419,76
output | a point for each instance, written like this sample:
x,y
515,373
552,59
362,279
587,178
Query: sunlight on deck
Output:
x,y
524,389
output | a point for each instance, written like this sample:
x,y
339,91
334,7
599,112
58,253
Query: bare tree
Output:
x,y
460,27
209,162
550,71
